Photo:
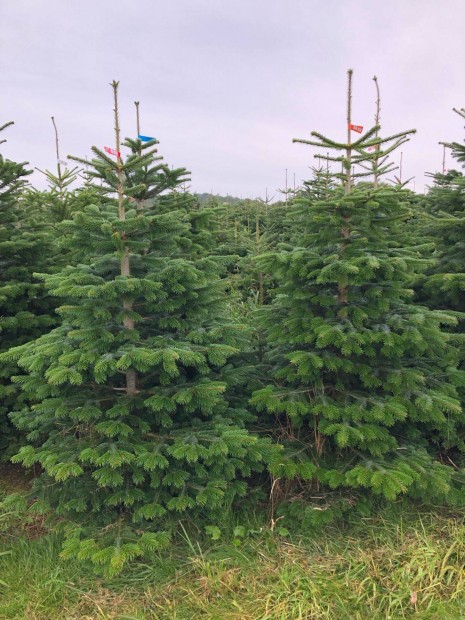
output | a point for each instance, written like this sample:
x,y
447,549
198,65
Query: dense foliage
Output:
x,y
364,378
164,354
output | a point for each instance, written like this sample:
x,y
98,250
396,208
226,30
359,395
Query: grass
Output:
x,y
369,570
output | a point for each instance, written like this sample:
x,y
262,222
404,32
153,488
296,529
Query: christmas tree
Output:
x,y
25,309
442,220
127,414
363,395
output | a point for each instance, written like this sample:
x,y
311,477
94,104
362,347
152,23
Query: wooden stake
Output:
x,y
121,211
57,147
56,138
343,290
136,103
377,122
349,122
125,267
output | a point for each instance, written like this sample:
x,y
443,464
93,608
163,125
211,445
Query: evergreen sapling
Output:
x,y
363,396
127,414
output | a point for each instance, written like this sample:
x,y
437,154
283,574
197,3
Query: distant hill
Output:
x,y
206,197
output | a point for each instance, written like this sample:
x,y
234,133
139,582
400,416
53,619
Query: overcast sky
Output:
x,y
226,85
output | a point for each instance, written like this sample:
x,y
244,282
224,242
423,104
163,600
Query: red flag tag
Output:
x,y
357,128
112,151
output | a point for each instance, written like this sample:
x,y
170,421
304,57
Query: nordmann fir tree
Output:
x,y
58,203
127,414
363,379
458,150
60,199
443,286
443,222
25,309
178,198
444,205
379,164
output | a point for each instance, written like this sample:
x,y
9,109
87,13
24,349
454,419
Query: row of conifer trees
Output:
x,y
161,357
